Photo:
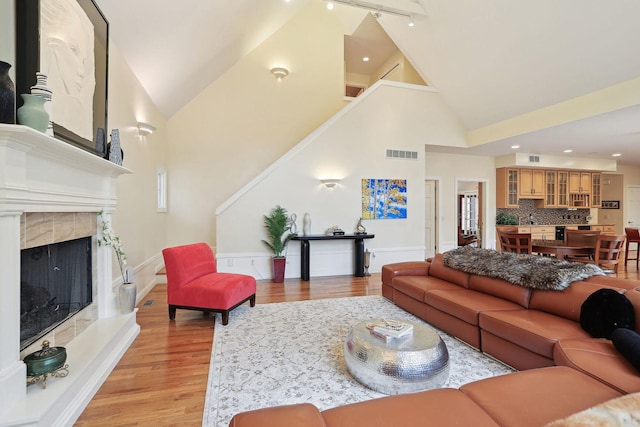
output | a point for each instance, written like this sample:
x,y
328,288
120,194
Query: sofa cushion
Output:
x,y
415,286
410,268
613,282
533,330
598,358
627,342
298,415
633,295
466,304
537,396
567,303
215,290
605,310
439,270
618,412
439,407
500,288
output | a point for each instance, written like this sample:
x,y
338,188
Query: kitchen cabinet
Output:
x,y
543,232
579,200
531,185
580,182
550,189
553,188
507,187
563,189
596,190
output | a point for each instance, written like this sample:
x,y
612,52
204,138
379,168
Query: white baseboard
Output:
x,y
144,276
322,263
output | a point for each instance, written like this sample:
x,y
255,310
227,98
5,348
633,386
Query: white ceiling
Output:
x,y
490,59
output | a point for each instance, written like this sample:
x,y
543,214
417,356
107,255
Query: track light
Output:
x,y
377,10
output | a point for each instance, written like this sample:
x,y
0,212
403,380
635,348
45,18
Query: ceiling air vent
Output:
x,y
400,154
534,159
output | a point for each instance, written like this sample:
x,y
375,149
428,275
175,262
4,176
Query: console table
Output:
x,y
358,251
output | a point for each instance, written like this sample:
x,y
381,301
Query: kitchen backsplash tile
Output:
x,y
547,215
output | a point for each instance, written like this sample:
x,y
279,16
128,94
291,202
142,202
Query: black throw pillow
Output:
x,y
627,342
605,310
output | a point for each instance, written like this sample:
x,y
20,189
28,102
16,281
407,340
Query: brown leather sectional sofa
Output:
x,y
563,370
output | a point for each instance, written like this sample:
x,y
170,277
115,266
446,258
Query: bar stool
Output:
x,y
633,236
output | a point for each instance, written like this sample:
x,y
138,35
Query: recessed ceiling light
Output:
x,y
515,146
568,151
365,59
616,155
330,5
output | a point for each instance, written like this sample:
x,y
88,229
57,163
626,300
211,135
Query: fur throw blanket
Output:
x,y
531,271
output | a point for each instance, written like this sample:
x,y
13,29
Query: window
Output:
x,y
469,213
162,191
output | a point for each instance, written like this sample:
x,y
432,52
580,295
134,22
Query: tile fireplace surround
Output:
x,y
44,180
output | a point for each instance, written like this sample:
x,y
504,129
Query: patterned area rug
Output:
x,y
279,354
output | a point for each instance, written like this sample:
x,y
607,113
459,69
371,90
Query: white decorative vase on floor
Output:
x,y
127,297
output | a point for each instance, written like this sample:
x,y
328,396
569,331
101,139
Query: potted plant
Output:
x,y
278,226
506,219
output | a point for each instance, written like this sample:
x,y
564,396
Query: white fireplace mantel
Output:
x,y
42,174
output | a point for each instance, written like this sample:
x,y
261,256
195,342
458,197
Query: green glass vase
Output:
x,y
32,113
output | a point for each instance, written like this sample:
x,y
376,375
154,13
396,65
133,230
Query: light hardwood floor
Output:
x,y
162,378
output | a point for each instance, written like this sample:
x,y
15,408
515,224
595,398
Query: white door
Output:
x,y
632,206
430,220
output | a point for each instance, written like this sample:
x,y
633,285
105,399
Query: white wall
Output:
x,y
350,146
7,35
142,230
245,120
451,169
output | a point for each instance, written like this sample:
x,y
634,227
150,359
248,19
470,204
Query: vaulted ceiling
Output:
x,y
492,61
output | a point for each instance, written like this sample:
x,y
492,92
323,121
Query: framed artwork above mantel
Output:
x,y
67,40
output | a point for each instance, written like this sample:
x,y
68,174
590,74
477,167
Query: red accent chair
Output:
x,y
193,282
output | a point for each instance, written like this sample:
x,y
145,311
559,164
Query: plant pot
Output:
x,y
279,265
127,297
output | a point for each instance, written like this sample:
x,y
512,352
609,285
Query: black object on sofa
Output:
x,y
604,311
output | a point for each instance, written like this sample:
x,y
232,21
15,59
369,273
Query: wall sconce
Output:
x,y
145,129
330,183
279,72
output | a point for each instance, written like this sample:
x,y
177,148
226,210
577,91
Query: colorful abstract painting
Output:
x,y
384,198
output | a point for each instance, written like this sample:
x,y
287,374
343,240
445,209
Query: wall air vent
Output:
x,y
534,159
400,154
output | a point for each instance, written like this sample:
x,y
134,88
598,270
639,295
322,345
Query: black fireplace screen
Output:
x,y
55,284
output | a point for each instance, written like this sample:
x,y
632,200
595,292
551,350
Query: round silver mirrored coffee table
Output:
x,y
419,361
